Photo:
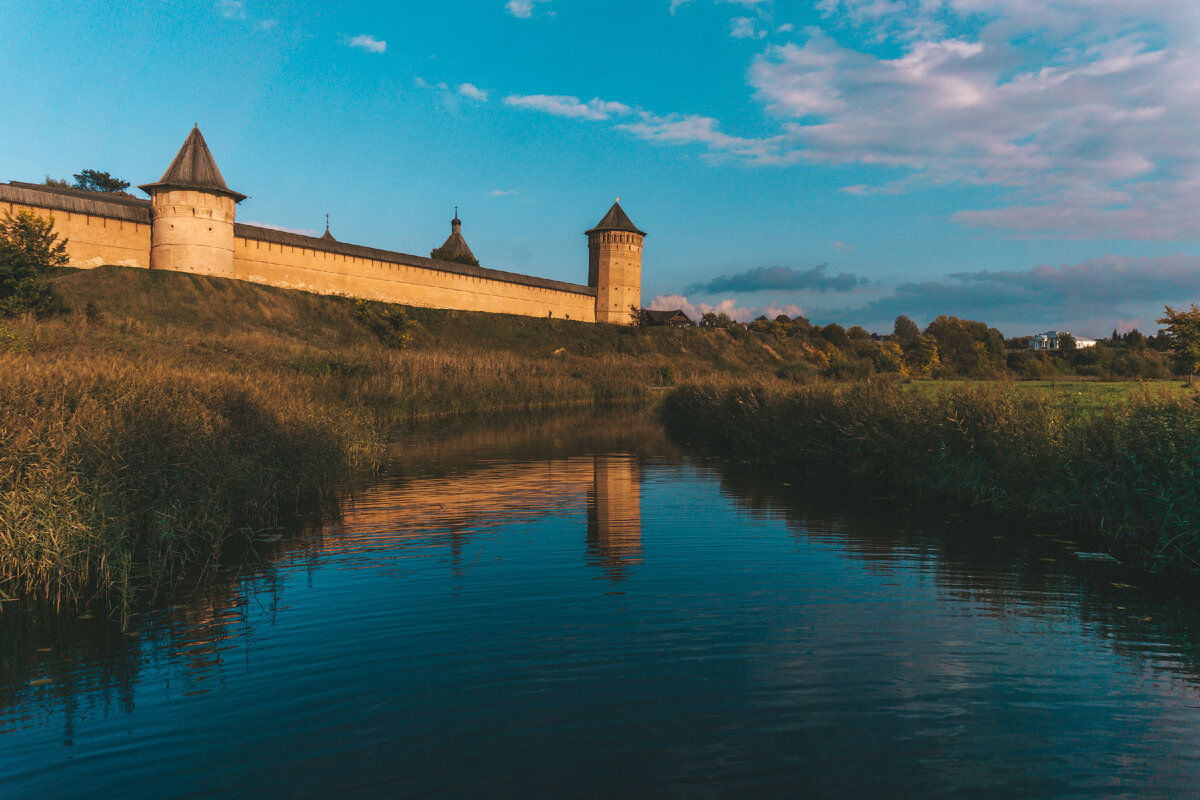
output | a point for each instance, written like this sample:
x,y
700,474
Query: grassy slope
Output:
x,y
135,438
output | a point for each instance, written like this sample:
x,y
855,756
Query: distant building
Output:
x,y
675,319
1050,341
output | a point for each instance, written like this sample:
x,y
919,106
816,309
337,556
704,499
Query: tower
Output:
x,y
615,265
191,213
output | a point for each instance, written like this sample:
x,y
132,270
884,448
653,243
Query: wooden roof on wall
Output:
x,y
76,201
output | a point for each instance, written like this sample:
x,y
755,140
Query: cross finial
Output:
x,y
456,212
327,222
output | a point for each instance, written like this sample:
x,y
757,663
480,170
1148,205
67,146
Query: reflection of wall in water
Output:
x,y
456,507
614,538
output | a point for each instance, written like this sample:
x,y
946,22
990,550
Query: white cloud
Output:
x,y
1089,143
269,226
421,83
523,9
1082,112
366,42
472,92
675,4
232,9
696,129
570,107
786,27
745,28
670,302
503,192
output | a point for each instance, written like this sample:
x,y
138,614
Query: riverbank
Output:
x,y
1128,469
162,414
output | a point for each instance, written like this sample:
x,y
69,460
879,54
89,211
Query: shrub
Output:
x,y
390,323
29,251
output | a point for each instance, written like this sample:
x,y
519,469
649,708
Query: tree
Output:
x,y
1183,326
714,320
967,347
1066,342
29,250
921,357
836,335
906,331
92,181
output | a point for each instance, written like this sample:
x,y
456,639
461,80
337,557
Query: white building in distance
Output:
x,y
1050,341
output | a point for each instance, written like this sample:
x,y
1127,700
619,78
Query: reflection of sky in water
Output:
x,y
581,624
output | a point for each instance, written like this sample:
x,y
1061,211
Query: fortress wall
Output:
x,y
325,272
92,239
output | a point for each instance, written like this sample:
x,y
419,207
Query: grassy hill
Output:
x,y
161,412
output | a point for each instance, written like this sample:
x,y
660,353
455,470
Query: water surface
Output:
x,y
575,608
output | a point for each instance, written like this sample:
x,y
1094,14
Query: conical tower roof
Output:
x,y
616,220
455,247
194,168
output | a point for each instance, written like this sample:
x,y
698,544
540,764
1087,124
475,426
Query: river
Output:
x,y
576,608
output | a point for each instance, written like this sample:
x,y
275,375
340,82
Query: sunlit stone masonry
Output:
x,y
189,225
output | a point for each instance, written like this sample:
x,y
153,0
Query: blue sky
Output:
x,y
1030,163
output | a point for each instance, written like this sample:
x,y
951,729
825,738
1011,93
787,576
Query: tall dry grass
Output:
x,y
165,413
1130,470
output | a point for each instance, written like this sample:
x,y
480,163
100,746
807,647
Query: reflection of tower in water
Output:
x,y
614,537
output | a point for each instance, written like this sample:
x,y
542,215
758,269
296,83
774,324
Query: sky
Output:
x,y
1033,164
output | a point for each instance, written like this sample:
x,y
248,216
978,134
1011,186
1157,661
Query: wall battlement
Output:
x,y
189,225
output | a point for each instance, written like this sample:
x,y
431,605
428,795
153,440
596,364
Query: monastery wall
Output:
x,y
322,266
189,225
102,234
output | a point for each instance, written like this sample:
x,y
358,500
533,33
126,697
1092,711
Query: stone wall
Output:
x,y
93,240
118,231
317,266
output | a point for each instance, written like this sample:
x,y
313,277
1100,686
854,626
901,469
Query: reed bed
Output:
x,y
1131,470
164,414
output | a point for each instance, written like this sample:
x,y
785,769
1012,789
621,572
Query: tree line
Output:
x,y
950,347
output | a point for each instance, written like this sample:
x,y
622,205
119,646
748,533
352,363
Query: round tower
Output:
x,y
615,266
192,213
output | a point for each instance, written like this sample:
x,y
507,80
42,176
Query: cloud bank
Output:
x,y
763,279
1095,295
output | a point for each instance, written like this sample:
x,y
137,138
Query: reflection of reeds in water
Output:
x,y
443,492
996,567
